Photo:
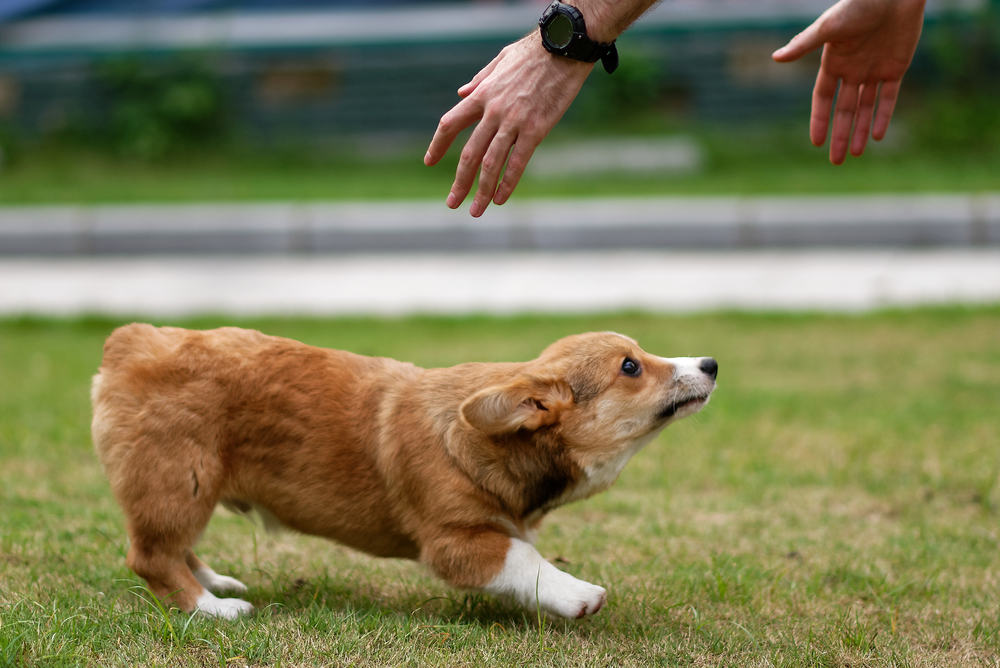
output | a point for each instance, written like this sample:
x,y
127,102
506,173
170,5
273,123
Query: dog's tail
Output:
x,y
126,348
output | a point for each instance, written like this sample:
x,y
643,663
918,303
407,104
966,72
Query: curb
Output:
x,y
671,223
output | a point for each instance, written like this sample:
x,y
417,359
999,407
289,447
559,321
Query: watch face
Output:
x,y
560,31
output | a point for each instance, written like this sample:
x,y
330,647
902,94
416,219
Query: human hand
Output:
x,y
867,47
516,100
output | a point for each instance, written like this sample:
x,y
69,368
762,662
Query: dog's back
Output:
x,y
143,366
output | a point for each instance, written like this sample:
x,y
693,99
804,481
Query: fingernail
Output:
x,y
452,201
427,158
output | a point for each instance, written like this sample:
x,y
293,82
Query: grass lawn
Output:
x,y
836,504
738,161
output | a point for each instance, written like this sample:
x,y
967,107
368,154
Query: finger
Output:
x,y
863,118
459,117
523,149
466,89
808,40
888,94
489,174
822,102
468,163
843,117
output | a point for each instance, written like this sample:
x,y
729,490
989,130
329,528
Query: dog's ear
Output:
x,y
526,403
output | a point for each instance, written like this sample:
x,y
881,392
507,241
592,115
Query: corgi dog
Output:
x,y
452,467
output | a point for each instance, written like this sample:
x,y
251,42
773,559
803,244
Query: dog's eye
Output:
x,y
630,367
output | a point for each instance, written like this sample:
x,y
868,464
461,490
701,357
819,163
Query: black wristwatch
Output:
x,y
564,33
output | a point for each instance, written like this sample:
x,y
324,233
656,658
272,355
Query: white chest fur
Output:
x,y
598,477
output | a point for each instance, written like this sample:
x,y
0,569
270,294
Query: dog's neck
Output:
x,y
526,472
601,475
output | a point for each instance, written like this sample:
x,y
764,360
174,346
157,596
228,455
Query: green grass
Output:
x,y
836,504
738,161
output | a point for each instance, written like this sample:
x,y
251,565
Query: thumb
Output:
x,y
467,89
808,40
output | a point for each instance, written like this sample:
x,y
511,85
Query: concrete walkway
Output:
x,y
499,283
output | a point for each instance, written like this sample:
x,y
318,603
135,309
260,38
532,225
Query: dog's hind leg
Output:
x,y
167,506
158,558
211,580
171,580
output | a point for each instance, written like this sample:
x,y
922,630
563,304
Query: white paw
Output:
x,y
226,608
571,598
216,583
534,581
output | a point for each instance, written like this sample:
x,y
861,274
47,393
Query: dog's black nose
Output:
x,y
709,366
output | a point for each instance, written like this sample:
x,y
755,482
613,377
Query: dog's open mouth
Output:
x,y
674,407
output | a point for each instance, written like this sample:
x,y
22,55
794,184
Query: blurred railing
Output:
x,y
318,73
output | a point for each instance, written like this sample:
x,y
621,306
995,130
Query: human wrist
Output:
x,y
568,65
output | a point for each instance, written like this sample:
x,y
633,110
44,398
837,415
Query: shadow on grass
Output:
x,y
360,601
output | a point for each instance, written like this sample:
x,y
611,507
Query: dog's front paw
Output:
x,y
574,598
226,608
536,583
218,584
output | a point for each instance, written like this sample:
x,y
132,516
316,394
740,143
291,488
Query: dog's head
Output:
x,y
597,398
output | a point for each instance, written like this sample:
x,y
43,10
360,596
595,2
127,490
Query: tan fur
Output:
x,y
440,465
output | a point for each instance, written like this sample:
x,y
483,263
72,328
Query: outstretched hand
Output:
x,y
867,47
516,100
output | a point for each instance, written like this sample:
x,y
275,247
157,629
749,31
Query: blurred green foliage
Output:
x,y
636,88
965,49
9,146
159,107
957,107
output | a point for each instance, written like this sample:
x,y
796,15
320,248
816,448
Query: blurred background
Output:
x,y
294,132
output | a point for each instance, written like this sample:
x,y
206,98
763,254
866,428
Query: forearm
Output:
x,y
607,19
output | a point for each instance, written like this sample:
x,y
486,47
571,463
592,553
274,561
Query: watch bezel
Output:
x,y
576,20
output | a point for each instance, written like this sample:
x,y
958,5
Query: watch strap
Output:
x,y
587,50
